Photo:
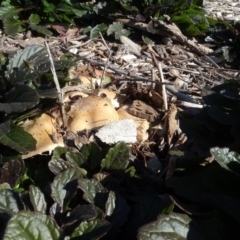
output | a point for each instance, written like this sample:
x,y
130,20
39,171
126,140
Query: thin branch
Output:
x,y
109,56
164,94
55,78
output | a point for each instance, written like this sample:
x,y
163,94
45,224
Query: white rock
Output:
x,y
122,130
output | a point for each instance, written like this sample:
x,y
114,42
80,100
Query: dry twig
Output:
x,y
164,94
109,56
55,78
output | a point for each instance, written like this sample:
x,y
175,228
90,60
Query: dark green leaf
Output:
x,y
101,176
117,157
59,152
19,99
10,202
97,29
144,211
222,115
12,26
228,160
34,19
130,172
81,9
86,6
7,12
59,165
76,159
93,230
117,29
93,154
118,210
48,7
110,204
227,203
32,54
173,226
79,13
180,226
5,186
67,9
86,30
93,191
31,225
114,27
18,140
37,199
81,213
64,186
40,29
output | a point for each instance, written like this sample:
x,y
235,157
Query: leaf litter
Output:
x,y
86,167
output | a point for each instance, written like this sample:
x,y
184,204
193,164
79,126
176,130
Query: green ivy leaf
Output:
x,y
64,186
31,225
97,29
117,157
37,199
18,140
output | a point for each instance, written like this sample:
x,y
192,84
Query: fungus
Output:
x,y
43,129
91,112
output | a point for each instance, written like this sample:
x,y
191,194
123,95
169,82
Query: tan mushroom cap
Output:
x,y
44,131
91,112
72,94
110,94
